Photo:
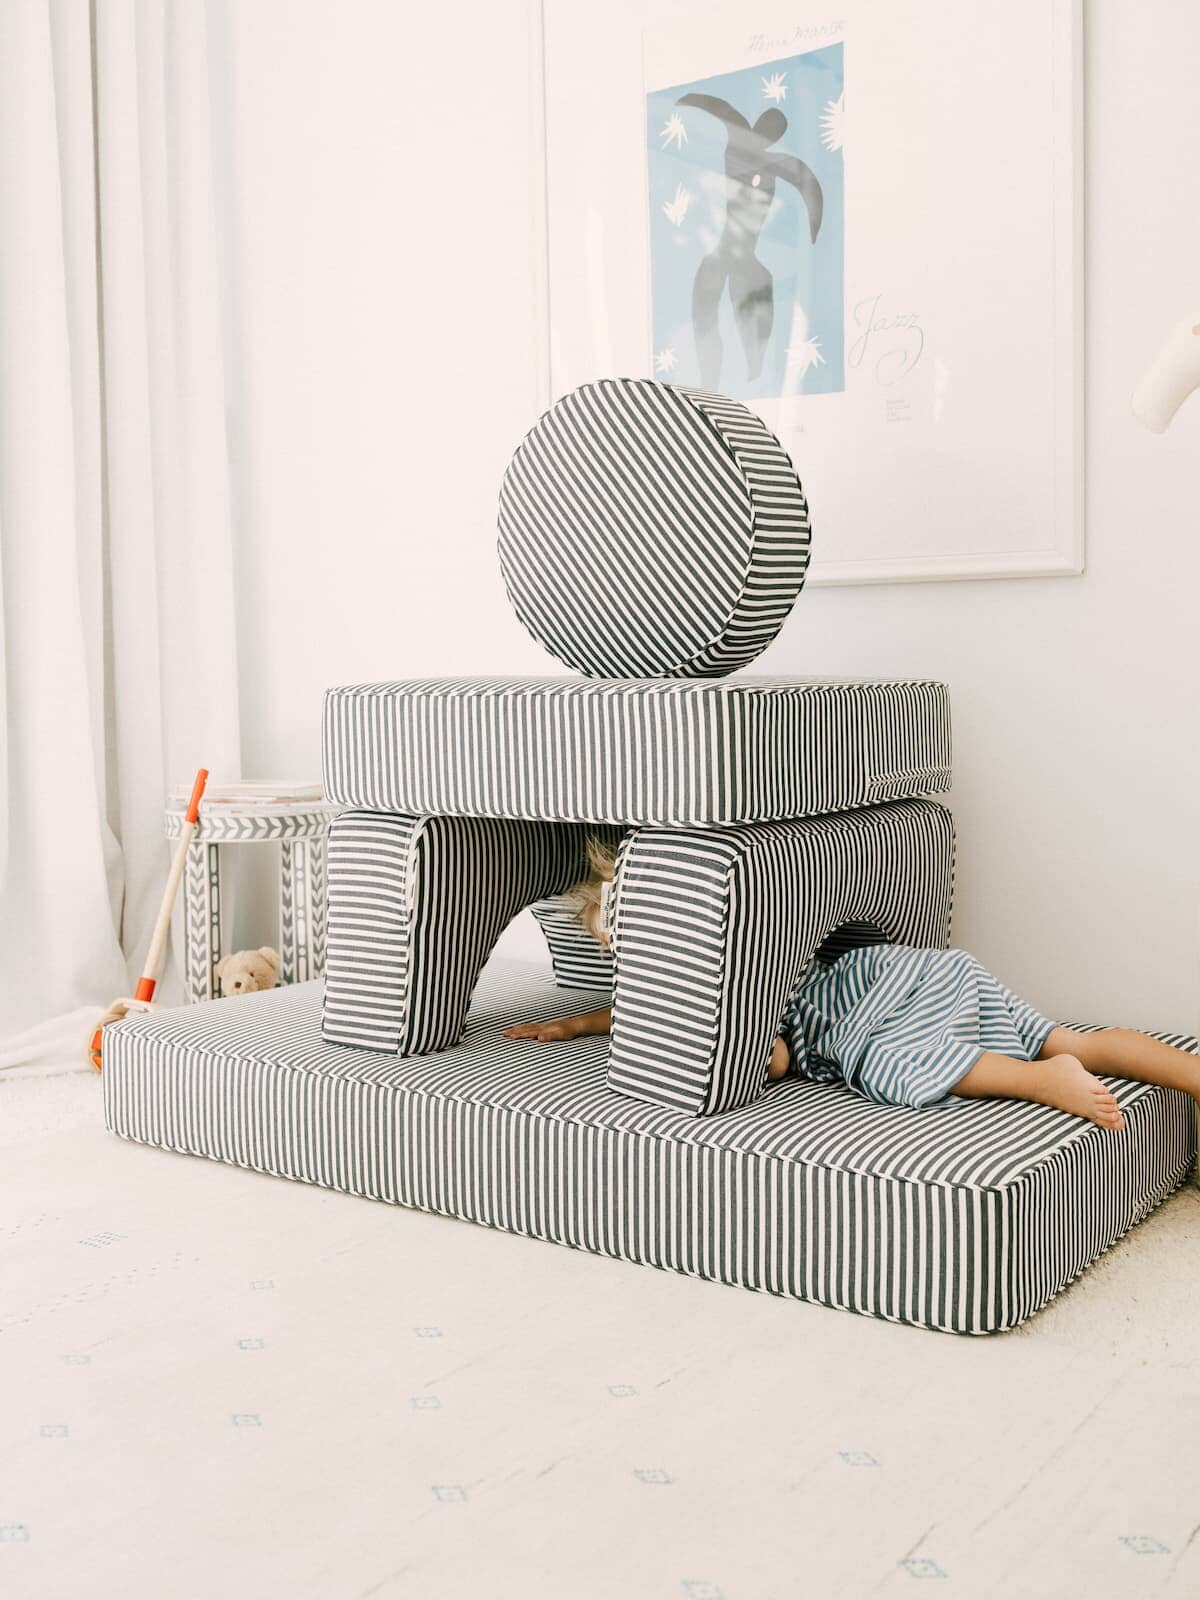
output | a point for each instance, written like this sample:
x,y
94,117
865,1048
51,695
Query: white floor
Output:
x,y
219,1384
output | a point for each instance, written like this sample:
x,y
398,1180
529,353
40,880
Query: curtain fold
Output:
x,y
116,572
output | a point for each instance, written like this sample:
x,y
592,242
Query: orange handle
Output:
x,y
193,810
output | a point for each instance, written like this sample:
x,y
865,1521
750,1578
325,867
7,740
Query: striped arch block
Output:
x,y
415,907
714,929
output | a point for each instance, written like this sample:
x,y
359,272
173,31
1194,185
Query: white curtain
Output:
x,y
118,667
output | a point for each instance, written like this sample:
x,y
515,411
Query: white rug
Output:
x,y
219,1384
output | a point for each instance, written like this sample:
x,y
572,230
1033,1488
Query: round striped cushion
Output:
x,y
652,531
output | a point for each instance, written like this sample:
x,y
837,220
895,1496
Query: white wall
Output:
x,y
384,263
1075,700
379,386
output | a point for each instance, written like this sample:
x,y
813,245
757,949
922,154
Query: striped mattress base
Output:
x,y
967,1218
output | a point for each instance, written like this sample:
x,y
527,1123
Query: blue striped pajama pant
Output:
x,y
903,1025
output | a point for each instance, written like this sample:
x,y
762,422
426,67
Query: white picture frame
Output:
x,y
971,467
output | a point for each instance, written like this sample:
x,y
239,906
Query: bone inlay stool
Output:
x,y
300,828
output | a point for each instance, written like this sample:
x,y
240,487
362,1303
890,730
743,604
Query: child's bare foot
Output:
x,y
1065,1082
780,1061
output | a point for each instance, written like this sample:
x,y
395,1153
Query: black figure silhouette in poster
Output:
x,y
751,169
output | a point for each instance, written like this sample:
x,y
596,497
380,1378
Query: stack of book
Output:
x,y
264,793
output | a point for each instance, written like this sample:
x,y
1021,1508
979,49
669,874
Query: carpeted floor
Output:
x,y
219,1384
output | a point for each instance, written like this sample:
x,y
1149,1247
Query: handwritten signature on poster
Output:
x,y
889,343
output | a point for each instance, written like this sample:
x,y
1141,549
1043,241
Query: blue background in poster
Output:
x,y
806,275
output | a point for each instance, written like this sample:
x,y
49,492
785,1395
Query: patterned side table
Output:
x,y
300,830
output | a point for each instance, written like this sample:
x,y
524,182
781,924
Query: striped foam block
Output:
x,y
714,928
635,750
967,1218
415,907
579,961
651,530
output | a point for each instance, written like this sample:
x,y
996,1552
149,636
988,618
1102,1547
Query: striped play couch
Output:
x,y
654,539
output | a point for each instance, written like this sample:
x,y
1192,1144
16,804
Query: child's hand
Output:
x,y
544,1032
562,1027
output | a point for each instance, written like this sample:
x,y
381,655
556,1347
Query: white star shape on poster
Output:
x,y
774,87
665,361
675,210
833,123
804,353
673,131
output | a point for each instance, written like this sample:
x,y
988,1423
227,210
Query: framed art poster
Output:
x,y
746,194
863,222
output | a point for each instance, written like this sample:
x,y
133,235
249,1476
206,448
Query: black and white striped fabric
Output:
x,y
635,750
968,1219
714,929
579,961
651,530
415,907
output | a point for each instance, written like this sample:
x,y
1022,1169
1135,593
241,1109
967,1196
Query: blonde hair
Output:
x,y
586,896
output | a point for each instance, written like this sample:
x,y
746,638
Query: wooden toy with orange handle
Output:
x,y
143,996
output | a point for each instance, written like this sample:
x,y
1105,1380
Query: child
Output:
x,y
908,1027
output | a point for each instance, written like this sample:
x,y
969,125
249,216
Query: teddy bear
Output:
x,y
247,971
